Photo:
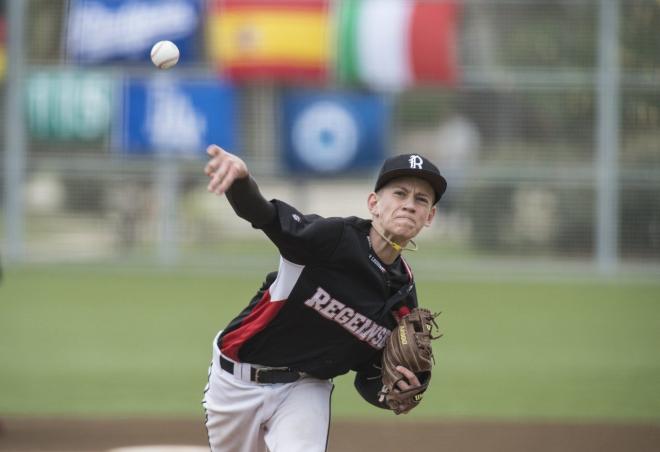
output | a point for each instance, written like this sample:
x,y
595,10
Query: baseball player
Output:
x,y
328,309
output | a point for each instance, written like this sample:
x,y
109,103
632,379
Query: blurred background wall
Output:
x,y
544,116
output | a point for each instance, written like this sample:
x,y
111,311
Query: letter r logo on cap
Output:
x,y
415,162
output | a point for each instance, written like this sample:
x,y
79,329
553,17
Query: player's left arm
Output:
x,y
368,383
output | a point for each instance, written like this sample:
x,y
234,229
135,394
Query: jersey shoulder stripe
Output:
x,y
287,277
265,310
408,269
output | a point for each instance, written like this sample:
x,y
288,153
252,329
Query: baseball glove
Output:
x,y
409,346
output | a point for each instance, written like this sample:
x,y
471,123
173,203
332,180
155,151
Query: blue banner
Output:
x,y
182,118
330,133
119,30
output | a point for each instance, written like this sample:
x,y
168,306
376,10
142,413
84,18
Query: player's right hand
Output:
x,y
223,169
412,382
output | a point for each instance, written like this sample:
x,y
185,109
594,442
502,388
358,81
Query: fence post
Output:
x,y
167,186
15,134
607,137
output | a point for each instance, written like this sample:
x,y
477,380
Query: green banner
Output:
x,y
69,105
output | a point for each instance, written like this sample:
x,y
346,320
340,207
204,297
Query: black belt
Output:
x,y
268,375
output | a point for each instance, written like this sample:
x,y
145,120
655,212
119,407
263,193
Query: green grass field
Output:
x,y
123,342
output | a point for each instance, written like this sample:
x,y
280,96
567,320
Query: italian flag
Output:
x,y
393,44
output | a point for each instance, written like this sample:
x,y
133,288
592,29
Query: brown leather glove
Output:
x,y
409,346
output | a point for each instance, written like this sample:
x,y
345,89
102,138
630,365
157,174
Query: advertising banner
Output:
x,y
122,30
69,105
177,117
331,133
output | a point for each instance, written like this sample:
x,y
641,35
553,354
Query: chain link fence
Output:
x,y
550,143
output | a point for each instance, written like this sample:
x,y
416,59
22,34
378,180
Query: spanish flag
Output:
x,y
270,39
390,45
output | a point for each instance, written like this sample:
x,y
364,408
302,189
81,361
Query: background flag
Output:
x,y
393,44
270,39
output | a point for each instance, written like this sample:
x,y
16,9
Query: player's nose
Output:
x,y
409,204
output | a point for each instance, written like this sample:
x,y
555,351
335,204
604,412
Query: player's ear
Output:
x,y
372,203
430,216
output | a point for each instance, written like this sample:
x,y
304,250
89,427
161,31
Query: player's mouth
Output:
x,y
406,219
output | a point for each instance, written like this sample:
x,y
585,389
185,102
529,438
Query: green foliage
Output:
x,y
80,341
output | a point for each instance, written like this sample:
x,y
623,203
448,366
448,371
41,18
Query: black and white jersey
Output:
x,y
329,307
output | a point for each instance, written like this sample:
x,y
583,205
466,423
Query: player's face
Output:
x,y
403,207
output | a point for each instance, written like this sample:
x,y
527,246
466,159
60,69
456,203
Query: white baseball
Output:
x,y
164,54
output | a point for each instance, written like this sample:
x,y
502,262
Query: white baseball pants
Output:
x,y
243,416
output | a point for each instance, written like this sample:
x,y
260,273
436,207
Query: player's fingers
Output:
x,y
210,167
213,165
409,375
214,150
218,177
402,385
229,179
218,155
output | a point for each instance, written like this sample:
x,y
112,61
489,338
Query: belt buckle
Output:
x,y
265,370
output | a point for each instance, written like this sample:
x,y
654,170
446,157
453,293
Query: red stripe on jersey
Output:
x,y
408,269
256,321
405,310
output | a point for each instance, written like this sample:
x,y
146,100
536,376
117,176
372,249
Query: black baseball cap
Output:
x,y
412,165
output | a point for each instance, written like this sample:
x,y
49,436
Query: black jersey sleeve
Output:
x,y
248,203
303,239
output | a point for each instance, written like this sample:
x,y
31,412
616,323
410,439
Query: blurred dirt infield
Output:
x,y
76,435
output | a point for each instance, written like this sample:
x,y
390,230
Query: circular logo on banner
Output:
x,y
325,136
